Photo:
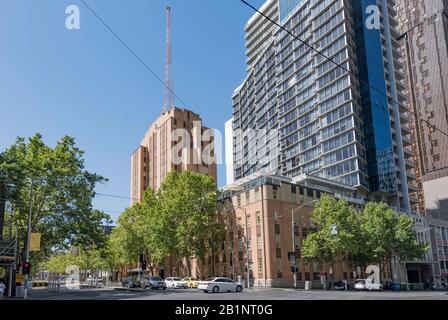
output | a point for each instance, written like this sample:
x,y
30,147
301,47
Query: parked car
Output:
x,y
365,285
191,282
153,283
175,283
220,284
131,282
94,281
340,285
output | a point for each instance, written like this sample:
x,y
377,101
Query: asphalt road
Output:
x,y
253,294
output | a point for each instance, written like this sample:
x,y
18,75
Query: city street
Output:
x,y
253,294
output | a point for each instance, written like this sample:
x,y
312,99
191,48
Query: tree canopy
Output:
x,y
386,234
331,215
54,182
179,220
375,235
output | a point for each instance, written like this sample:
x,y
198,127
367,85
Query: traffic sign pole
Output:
x,y
25,292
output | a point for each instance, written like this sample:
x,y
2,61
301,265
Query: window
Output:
x,y
277,229
309,193
258,218
278,265
276,216
257,194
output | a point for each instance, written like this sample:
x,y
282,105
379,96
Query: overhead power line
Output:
x,y
115,196
167,87
341,66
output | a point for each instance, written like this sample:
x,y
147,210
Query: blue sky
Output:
x,y
85,84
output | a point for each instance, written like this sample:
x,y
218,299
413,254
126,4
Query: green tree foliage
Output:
x,y
61,190
179,219
188,202
88,261
386,234
374,236
322,245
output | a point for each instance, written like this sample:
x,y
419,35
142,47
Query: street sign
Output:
x,y
292,257
20,278
334,229
35,242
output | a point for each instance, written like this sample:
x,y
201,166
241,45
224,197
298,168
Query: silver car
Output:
x,y
153,283
176,283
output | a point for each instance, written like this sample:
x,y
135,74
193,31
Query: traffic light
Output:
x,y
294,269
26,267
141,258
144,265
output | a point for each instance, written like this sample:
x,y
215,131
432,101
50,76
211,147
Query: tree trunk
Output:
x,y
189,266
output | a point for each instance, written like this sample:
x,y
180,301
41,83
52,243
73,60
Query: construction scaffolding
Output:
x,y
8,257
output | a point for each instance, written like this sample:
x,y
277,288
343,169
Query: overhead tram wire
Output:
x,y
342,67
115,196
97,194
26,204
132,51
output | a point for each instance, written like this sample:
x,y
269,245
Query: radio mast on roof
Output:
x,y
168,101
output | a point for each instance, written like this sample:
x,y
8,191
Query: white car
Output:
x,y
175,283
219,284
94,281
366,285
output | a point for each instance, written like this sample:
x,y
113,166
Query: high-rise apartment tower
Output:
x,y
326,99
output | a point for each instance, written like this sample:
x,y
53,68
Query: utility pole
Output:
x,y
25,296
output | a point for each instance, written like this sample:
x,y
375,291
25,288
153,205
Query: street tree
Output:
x,y
386,234
60,262
188,203
54,182
336,229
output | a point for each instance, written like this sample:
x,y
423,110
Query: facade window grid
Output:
x,y
332,50
332,76
319,7
330,25
331,37
289,115
325,13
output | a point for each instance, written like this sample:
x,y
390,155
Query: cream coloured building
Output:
x,y
176,141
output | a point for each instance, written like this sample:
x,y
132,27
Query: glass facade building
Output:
x,y
286,7
299,113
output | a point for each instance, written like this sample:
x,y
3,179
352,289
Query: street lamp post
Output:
x,y
27,258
